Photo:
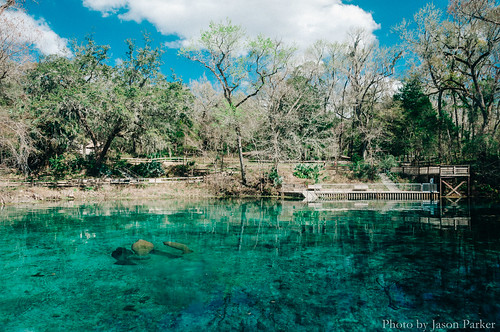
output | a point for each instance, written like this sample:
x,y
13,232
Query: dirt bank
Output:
x,y
26,194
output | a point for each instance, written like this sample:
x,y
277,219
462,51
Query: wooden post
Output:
x,y
468,181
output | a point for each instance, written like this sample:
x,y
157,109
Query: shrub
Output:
x,y
274,177
387,163
364,171
149,170
182,170
94,169
58,166
63,165
312,172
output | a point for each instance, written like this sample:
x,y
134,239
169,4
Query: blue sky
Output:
x,y
175,22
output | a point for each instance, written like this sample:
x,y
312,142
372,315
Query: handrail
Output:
x,y
91,182
446,170
348,187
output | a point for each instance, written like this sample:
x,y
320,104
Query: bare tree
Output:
x,y
7,4
483,10
460,55
241,67
16,141
212,122
367,69
16,137
15,43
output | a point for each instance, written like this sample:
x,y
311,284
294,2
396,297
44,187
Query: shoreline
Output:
x,y
27,194
213,189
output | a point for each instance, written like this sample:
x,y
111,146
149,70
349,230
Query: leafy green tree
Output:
x,y
160,108
73,97
84,99
414,124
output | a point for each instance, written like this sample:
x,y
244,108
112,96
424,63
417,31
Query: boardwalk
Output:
x,y
372,191
441,170
97,182
454,180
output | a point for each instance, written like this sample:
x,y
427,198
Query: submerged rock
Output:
x,y
123,256
185,249
142,247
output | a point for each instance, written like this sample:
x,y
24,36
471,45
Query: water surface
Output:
x,y
256,266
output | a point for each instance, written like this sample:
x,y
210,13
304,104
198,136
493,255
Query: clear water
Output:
x,y
256,266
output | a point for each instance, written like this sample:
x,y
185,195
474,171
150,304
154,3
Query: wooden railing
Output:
x,y
455,171
361,187
462,170
135,161
82,183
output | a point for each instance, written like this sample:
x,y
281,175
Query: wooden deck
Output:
x,y
454,180
376,191
442,170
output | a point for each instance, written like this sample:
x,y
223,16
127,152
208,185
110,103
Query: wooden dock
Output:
x,y
376,191
454,180
440,170
380,195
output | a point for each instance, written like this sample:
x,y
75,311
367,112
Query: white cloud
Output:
x,y
299,21
175,44
36,32
105,6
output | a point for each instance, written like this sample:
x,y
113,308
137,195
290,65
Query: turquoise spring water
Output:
x,y
256,266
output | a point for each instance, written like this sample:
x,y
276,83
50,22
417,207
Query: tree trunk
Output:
x,y
107,145
440,125
240,155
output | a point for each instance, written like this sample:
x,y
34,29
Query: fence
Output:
x,y
135,161
379,187
83,183
433,170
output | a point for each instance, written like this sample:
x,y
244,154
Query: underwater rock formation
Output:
x,y
142,247
123,256
185,249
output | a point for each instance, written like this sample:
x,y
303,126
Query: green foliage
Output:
x,y
394,177
83,100
60,166
274,177
388,162
480,147
413,126
331,104
119,167
187,169
364,171
486,175
307,171
149,170
95,168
